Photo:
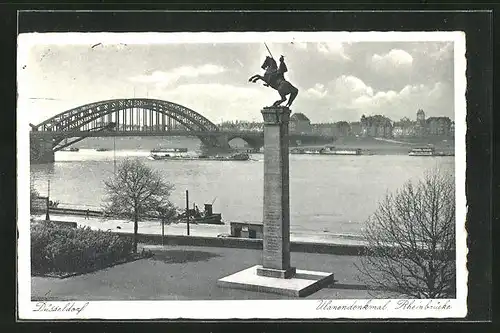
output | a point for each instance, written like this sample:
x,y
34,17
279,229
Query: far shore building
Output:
x,y
299,123
422,126
327,129
400,130
343,128
338,129
438,126
403,128
356,128
376,126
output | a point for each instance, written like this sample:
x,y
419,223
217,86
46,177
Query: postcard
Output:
x,y
239,175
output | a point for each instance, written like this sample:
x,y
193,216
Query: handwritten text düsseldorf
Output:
x,y
68,307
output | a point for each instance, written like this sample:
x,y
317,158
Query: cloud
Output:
x,y
419,74
347,88
333,48
165,78
394,59
216,101
439,51
316,92
348,97
436,99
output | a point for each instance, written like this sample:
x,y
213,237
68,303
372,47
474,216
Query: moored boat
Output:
x,y
422,151
72,149
304,151
330,150
102,149
169,150
169,153
168,157
428,151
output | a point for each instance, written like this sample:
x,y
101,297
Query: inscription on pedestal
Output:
x,y
276,242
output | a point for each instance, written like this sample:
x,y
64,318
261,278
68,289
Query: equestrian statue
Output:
x,y
274,77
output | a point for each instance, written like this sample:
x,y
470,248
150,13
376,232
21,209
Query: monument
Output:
x,y
276,242
276,275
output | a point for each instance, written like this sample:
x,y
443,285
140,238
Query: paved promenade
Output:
x,y
191,273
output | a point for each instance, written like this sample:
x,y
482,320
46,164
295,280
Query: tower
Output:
x,y
420,116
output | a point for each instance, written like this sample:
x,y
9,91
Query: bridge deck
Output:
x,y
165,133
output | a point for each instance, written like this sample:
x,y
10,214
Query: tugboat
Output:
x,y
205,217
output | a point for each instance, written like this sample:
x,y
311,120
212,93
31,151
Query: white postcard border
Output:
x,y
244,309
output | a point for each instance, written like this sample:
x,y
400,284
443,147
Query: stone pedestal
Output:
x,y
41,149
276,275
276,242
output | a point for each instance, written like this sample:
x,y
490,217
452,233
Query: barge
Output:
x,y
168,157
169,150
330,150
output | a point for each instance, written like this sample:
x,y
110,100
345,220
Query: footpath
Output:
x,y
199,230
183,271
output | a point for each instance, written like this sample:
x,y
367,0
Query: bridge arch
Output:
x,y
254,140
76,118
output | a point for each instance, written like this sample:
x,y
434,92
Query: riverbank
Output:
x,y
396,146
199,230
376,146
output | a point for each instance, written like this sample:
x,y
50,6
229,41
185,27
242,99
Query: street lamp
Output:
x,y
114,155
112,127
47,216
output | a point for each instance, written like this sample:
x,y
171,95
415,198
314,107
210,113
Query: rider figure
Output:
x,y
277,75
282,68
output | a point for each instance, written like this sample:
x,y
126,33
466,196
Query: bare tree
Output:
x,y
411,240
136,192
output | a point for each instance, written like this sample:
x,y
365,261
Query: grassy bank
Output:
x,y
394,145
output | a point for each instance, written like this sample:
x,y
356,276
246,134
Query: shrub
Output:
x,y
60,249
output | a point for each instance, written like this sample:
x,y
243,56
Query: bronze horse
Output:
x,y
274,78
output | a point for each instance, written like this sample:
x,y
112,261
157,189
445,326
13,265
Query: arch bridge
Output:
x,y
128,117
124,116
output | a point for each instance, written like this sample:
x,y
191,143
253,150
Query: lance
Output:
x,y
268,50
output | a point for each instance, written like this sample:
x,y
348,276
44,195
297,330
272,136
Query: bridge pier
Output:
x,y
41,149
222,141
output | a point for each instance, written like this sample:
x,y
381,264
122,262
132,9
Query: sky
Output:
x,y
336,80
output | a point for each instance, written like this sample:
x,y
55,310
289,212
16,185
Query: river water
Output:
x,y
333,194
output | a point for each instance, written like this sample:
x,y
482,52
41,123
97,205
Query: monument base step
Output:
x,y
302,284
277,273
